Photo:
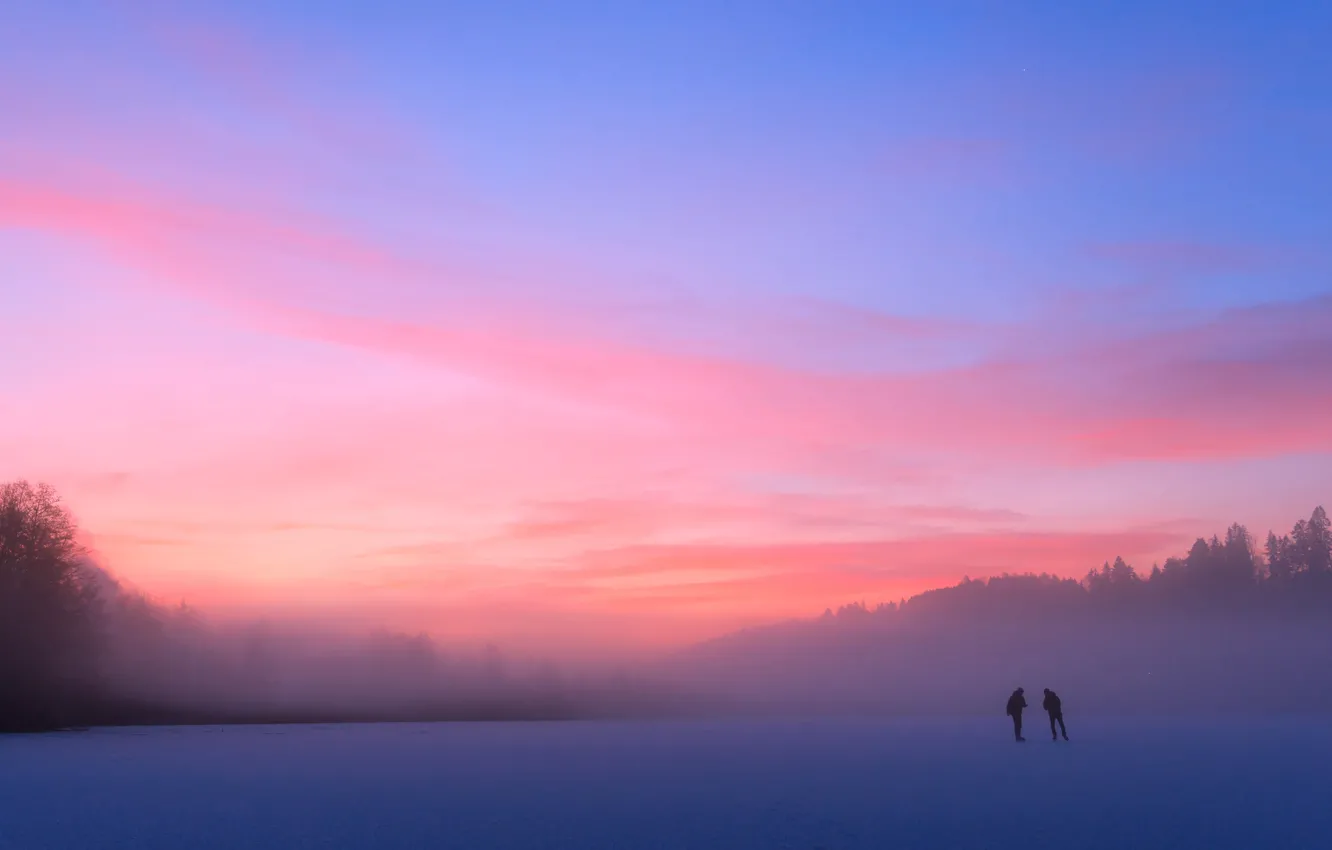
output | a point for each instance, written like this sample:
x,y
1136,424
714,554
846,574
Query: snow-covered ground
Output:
x,y
825,784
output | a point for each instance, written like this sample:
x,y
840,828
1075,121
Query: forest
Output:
x,y
1231,573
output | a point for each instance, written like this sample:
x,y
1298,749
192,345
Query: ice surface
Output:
x,y
733,784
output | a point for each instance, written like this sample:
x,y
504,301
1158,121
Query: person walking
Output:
x,y
1016,703
1055,708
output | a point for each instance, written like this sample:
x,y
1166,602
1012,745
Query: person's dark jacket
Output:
x,y
1016,703
1052,703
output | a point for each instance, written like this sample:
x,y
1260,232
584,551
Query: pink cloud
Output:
x,y
1050,408
955,513
641,597
782,514
687,592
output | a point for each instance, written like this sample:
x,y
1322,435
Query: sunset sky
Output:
x,y
625,325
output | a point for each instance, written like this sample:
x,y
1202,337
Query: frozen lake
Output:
x,y
733,784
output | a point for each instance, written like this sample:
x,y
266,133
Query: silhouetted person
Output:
x,y
1016,703
1055,708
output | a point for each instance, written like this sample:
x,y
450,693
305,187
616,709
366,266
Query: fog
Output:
x,y
912,662
951,652
175,663
1222,629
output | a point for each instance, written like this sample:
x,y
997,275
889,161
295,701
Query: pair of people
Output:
x,y
1053,706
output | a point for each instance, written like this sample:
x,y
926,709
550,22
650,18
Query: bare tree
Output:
x,y
48,601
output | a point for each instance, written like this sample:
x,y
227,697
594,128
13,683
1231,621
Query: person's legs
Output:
x,y
1053,735
1017,726
1060,715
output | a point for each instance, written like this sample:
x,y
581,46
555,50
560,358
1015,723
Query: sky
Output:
x,y
619,324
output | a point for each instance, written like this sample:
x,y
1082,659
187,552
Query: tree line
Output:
x,y
1227,626
78,649
1299,562
1230,572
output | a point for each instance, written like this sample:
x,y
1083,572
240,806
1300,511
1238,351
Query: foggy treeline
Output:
x,y
78,649
1233,625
